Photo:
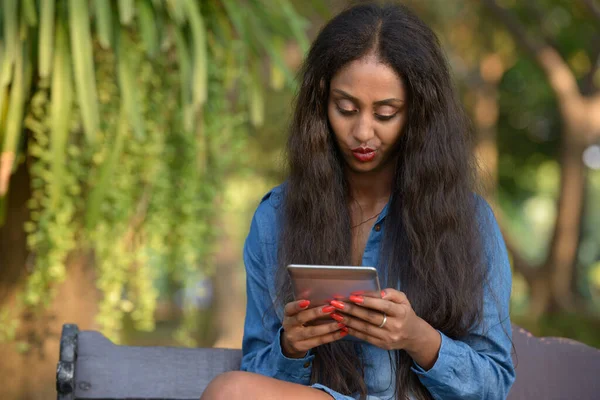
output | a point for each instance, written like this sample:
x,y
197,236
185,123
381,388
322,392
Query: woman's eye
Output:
x,y
380,117
384,117
344,111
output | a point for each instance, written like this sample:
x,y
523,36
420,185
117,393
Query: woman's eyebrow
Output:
x,y
390,101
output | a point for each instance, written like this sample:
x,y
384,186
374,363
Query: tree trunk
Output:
x,y
565,242
31,374
13,250
540,296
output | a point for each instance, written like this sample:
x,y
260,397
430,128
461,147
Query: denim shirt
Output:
x,y
478,366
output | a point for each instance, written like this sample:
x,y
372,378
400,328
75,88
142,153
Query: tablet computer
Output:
x,y
322,283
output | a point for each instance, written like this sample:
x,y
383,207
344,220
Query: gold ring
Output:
x,y
384,321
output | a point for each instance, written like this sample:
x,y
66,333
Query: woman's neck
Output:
x,y
371,189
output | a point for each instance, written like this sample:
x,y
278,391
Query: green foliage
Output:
x,y
52,229
589,248
529,136
133,112
575,326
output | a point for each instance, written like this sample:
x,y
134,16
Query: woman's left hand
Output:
x,y
391,324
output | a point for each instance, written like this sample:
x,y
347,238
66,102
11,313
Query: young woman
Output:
x,y
381,174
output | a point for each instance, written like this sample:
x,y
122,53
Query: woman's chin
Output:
x,y
363,167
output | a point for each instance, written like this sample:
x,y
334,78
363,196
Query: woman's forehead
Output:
x,y
368,79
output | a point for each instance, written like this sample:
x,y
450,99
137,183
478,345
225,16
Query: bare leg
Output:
x,y
248,386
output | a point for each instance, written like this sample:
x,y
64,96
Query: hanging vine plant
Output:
x,y
119,109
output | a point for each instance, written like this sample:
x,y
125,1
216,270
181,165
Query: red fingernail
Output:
x,y
383,293
337,317
328,309
343,333
341,326
357,299
345,329
337,304
304,303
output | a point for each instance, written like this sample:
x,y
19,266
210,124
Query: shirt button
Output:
x,y
307,364
377,227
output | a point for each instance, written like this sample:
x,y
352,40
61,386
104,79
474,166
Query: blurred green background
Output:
x,y
138,136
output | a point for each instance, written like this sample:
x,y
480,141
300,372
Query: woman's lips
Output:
x,y
363,154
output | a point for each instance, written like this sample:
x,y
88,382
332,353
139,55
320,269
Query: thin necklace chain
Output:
x,y
368,219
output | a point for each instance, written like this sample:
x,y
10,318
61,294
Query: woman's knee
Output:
x,y
230,385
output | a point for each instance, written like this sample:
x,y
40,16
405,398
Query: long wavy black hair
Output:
x,y
431,245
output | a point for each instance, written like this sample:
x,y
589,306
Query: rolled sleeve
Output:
x,y
261,345
442,370
300,367
480,365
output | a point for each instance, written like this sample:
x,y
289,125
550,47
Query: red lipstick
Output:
x,y
364,154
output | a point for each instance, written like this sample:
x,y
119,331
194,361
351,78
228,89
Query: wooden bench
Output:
x,y
92,367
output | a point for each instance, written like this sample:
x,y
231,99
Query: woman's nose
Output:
x,y
364,128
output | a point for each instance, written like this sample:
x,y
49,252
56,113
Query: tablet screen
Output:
x,y
320,284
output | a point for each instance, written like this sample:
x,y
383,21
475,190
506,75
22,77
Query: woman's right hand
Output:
x,y
297,339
